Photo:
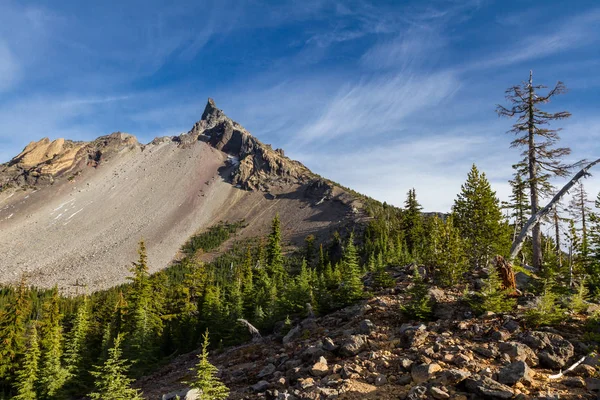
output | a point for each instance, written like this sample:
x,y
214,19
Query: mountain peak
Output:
x,y
212,115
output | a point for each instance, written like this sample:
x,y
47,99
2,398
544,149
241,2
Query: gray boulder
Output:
x,y
488,388
517,371
352,346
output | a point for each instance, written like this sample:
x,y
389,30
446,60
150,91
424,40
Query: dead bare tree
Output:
x,y
540,159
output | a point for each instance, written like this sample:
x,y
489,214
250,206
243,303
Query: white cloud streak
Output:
x,y
378,105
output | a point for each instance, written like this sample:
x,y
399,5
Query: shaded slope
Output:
x,y
72,213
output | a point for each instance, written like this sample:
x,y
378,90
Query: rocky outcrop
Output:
x,y
257,165
43,161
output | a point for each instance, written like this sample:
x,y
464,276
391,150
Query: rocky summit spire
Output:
x,y
212,115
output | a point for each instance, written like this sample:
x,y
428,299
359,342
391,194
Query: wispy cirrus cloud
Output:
x,y
10,71
378,105
572,34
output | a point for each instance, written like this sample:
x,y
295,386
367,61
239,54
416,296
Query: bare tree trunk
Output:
x,y
536,236
571,265
537,217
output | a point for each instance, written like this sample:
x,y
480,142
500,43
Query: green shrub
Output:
x,y
419,306
492,297
547,312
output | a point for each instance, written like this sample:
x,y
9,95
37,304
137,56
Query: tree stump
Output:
x,y
507,274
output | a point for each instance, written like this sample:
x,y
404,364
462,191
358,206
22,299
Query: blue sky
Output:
x,y
379,96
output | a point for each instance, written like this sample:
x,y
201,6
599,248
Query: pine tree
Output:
x,y
547,311
28,375
143,312
309,251
75,349
111,381
53,375
13,325
274,252
446,251
541,159
206,380
477,216
351,285
413,223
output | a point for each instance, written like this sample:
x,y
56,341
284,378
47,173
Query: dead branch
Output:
x,y
535,219
571,368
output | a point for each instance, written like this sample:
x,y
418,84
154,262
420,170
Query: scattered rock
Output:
x,y
266,371
592,384
488,388
329,345
366,327
517,371
519,352
380,380
424,372
438,393
260,386
454,376
320,368
293,334
352,346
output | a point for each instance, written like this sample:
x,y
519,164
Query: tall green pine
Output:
x,y
111,381
28,375
206,380
13,325
53,374
477,216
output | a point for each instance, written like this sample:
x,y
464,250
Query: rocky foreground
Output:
x,y
370,351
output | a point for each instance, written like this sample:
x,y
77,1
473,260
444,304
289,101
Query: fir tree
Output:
x,y
309,250
540,160
13,325
351,284
477,216
145,324
446,251
419,305
206,380
28,375
413,223
111,381
75,349
274,252
53,375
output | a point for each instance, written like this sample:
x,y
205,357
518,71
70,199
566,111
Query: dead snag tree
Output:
x,y
541,159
